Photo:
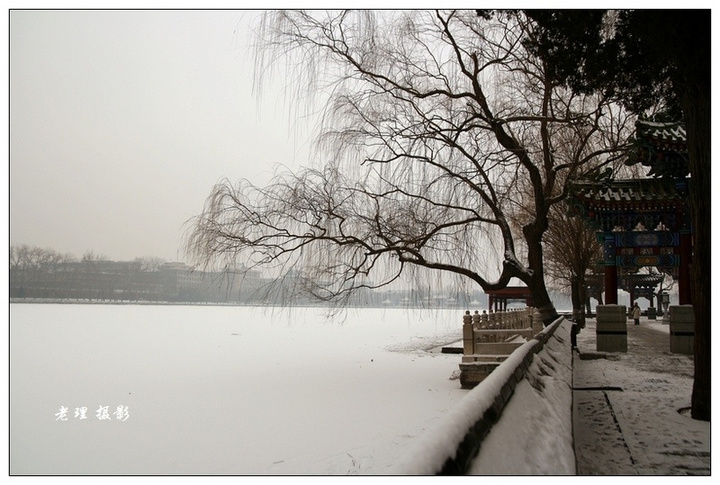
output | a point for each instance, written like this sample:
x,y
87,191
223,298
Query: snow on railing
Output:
x,y
454,441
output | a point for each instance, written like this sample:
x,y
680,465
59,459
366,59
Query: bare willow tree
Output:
x,y
572,251
571,248
429,121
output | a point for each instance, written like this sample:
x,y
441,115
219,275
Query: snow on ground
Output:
x,y
628,406
243,391
628,421
224,390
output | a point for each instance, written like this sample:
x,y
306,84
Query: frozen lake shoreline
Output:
x,y
224,389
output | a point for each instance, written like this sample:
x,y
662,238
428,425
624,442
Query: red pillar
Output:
x,y
684,293
611,287
611,297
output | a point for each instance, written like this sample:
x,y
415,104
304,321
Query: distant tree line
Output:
x,y
44,273
39,273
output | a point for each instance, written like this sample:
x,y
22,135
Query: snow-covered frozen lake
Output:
x,y
222,389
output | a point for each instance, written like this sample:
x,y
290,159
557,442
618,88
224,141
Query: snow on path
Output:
x,y
637,430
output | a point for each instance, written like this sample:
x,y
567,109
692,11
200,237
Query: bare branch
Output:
x,y
437,130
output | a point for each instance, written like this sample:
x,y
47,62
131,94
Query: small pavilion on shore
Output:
x,y
498,299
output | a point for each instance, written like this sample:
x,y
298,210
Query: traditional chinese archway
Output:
x,y
637,285
640,223
643,222
642,286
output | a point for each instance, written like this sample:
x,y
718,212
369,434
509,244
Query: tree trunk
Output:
x,y
693,56
541,300
536,279
697,116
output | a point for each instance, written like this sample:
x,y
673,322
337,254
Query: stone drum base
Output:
x,y
682,329
611,328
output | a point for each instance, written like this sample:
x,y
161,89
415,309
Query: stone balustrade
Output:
x,y
489,338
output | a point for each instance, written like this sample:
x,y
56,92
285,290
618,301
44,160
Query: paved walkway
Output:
x,y
628,414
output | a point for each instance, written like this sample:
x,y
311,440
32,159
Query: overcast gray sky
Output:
x,y
122,121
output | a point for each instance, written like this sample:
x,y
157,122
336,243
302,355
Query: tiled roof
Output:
x,y
662,147
619,192
653,203
644,279
663,134
627,282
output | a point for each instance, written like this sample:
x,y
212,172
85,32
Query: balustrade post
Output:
x,y
468,337
537,323
476,320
